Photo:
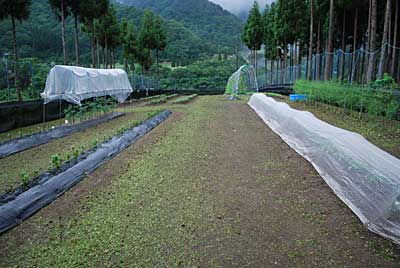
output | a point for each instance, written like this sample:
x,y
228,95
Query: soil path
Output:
x,y
212,187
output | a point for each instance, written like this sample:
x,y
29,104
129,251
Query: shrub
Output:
x,y
374,101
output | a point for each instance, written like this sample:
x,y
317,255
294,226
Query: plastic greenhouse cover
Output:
x,y
50,187
75,84
21,144
363,176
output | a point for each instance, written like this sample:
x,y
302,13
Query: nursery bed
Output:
x,y
20,206
31,141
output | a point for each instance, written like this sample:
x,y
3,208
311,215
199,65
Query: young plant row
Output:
x,y
57,160
374,101
98,107
152,98
185,99
160,100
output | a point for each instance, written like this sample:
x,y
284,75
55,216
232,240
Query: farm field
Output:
x,y
212,186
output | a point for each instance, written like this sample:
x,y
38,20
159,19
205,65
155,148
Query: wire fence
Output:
x,y
352,67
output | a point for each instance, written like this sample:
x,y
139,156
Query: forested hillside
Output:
x,y
40,37
208,20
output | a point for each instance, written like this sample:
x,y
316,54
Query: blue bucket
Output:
x,y
297,97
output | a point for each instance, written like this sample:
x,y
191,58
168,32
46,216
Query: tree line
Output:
x,y
98,20
309,28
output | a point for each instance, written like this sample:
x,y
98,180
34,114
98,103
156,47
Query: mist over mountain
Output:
x,y
240,7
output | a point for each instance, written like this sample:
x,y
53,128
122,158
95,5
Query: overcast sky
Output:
x,y
238,6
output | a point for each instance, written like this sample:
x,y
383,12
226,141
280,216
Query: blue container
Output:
x,y
297,97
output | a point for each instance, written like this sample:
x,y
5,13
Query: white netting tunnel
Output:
x,y
242,81
75,84
362,175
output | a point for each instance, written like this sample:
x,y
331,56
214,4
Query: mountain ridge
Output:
x,y
208,20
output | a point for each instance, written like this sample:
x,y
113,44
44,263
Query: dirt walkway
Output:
x,y
213,187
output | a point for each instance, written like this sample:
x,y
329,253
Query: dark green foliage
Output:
x,y
205,19
19,9
130,44
209,74
93,9
372,101
147,38
56,8
269,38
160,34
108,31
40,36
253,30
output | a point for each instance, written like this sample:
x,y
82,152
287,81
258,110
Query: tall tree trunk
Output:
x,y
318,56
16,71
265,67
285,63
272,71
298,60
310,50
76,40
394,51
256,60
352,72
148,70
385,39
148,61
106,49
103,53
92,43
372,42
329,50
343,57
158,66
369,23
63,32
97,52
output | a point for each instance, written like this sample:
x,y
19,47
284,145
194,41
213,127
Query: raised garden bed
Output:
x,y
44,189
20,144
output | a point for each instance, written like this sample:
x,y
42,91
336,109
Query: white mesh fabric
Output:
x,y
75,84
362,175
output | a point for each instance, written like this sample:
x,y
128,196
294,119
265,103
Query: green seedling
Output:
x,y
75,152
24,177
56,160
95,143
